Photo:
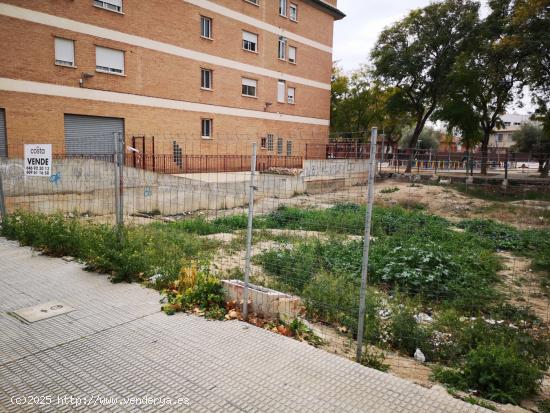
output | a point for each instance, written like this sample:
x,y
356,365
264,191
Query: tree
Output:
x,y
532,138
428,139
357,106
416,54
531,20
485,79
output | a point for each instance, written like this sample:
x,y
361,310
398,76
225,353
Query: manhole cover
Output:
x,y
42,311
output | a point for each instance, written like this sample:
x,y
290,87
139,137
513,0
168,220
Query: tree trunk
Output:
x,y
545,169
484,154
412,144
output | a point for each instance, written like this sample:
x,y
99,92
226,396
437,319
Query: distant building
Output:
x,y
502,137
449,143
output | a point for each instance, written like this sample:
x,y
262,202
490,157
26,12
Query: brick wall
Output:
x,y
30,56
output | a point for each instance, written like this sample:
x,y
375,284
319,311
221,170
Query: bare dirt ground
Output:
x,y
453,205
522,285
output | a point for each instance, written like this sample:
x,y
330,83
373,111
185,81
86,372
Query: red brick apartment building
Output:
x,y
72,72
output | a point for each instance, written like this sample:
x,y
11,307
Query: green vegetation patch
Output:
x,y
126,254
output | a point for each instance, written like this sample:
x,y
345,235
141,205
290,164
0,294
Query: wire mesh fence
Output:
x,y
458,276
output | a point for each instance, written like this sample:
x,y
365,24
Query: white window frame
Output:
x,y
281,91
280,146
270,142
110,5
292,50
247,42
206,22
293,16
204,77
281,48
108,69
59,43
249,85
210,123
254,2
283,8
288,148
291,99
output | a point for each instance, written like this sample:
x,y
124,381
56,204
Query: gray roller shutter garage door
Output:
x,y
3,144
91,135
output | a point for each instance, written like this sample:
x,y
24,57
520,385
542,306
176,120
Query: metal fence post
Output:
x,y
366,245
249,232
119,170
2,200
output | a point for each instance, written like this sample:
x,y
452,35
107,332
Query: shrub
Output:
x,y
406,334
389,190
501,236
374,360
126,254
205,293
500,374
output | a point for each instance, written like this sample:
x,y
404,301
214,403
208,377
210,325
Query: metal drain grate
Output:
x,y
42,311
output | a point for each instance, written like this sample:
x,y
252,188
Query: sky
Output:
x,y
356,34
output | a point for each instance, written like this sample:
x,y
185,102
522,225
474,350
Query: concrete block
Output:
x,y
263,301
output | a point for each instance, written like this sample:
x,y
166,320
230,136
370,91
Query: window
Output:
x,y
109,60
291,94
256,2
517,123
282,7
206,27
249,87
263,143
64,52
206,79
291,54
288,148
500,137
282,48
250,41
281,86
113,5
507,123
293,15
279,146
206,128
270,142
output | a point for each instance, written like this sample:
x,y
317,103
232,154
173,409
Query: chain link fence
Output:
x,y
432,275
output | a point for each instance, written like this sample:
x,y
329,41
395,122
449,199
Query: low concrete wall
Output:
x,y
87,186
345,172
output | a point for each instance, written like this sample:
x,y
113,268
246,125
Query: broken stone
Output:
x,y
423,318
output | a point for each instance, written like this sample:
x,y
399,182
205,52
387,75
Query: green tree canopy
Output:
x,y
416,54
532,138
485,78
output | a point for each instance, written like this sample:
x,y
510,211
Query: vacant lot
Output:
x,y
459,281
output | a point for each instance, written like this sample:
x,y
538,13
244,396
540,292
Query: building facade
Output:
x,y
188,72
502,137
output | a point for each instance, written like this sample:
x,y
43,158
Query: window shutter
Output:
x,y
281,86
110,58
250,37
64,50
249,82
292,54
114,2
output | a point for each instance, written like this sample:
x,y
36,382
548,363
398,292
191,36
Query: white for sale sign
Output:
x,y
38,160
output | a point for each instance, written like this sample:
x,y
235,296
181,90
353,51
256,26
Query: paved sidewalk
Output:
x,y
118,344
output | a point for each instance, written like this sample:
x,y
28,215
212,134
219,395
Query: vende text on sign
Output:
x,y
38,160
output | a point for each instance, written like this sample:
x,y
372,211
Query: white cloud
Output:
x,y
357,33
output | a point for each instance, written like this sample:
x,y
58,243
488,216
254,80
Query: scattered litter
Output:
x,y
419,356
